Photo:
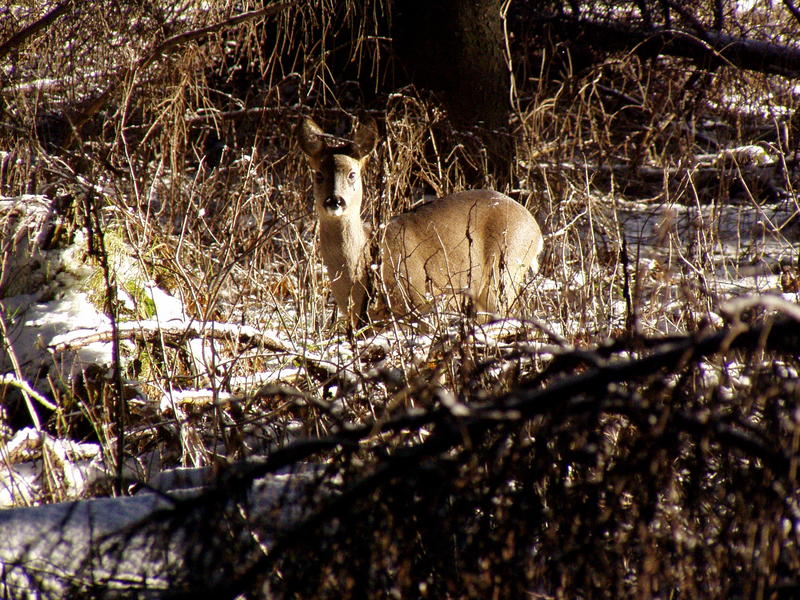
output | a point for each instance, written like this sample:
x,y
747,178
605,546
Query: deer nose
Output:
x,y
334,202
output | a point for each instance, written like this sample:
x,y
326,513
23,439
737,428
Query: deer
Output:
x,y
476,245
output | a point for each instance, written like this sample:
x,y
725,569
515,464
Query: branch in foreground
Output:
x,y
712,48
579,394
451,430
180,539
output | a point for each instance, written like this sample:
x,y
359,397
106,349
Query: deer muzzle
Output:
x,y
334,204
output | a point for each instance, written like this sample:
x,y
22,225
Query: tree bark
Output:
x,y
454,48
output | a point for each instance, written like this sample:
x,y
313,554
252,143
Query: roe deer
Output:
x,y
477,243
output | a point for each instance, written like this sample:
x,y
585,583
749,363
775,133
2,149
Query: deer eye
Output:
x,y
351,175
319,177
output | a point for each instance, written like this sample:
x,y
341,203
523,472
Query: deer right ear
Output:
x,y
309,134
365,138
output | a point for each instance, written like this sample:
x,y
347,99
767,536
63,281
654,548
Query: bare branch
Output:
x,y
712,47
196,34
25,387
19,38
92,106
793,9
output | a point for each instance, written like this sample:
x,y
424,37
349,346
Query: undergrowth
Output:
x,y
654,219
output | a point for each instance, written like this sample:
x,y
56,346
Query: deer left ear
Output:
x,y
310,136
365,138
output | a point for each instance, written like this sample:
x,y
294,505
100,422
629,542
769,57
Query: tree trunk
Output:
x,y
455,49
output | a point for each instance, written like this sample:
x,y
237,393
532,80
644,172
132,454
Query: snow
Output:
x,y
34,462
33,326
60,546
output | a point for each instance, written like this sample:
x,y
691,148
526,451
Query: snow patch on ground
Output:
x,y
35,461
33,326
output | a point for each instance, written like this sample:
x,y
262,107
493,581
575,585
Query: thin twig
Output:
x,y
9,350
26,388
92,106
19,38
94,225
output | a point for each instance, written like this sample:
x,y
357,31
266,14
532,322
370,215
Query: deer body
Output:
x,y
477,243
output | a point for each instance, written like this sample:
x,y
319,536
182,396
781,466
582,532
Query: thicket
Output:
x,y
634,434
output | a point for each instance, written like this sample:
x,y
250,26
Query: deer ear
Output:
x,y
310,136
365,138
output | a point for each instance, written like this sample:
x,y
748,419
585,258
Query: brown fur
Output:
x,y
477,243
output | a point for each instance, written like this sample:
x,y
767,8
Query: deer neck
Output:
x,y
344,250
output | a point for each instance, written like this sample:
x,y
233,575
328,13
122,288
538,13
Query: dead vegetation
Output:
x,y
633,435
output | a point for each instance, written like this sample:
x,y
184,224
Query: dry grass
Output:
x,y
205,185
192,163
